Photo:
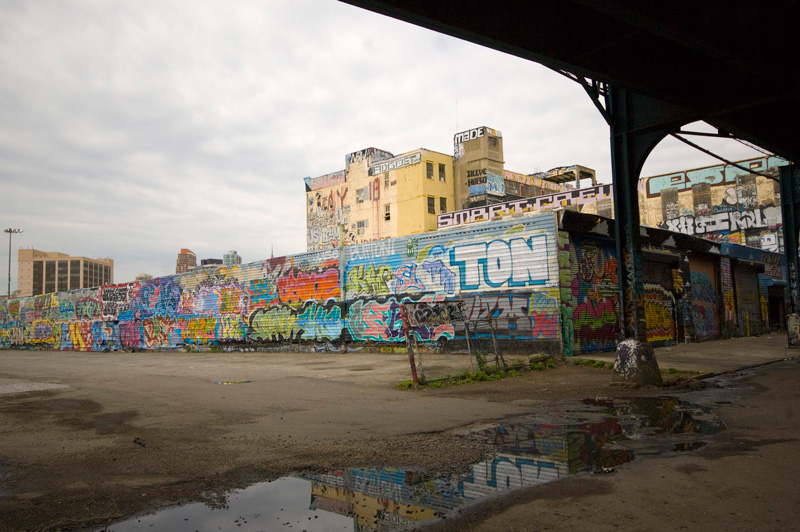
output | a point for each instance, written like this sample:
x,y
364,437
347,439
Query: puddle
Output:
x,y
595,435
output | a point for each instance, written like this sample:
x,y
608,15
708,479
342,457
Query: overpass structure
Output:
x,y
651,69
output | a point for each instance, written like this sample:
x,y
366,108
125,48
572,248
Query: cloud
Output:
x,y
131,129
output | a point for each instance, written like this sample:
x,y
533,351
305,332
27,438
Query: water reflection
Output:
x,y
530,451
594,435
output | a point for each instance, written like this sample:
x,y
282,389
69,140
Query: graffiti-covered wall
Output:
x,y
283,299
507,274
593,294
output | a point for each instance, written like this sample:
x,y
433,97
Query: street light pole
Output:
x,y
10,232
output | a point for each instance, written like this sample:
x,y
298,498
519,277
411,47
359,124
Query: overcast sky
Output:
x,y
132,129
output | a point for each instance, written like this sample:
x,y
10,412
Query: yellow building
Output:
x,y
380,195
377,196
46,272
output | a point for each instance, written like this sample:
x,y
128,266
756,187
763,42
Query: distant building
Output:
x,y
47,272
724,202
143,277
380,195
187,260
210,262
231,258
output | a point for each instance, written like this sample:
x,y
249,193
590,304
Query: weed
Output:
x,y
542,364
592,363
465,377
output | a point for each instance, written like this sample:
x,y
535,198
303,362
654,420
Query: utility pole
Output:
x,y
10,232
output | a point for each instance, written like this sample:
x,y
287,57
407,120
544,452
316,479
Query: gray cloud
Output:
x,y
132,129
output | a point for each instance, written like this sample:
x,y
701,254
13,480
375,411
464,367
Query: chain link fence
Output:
x,y
478,345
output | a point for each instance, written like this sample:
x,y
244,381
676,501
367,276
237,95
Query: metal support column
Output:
x,y
638,123
790,210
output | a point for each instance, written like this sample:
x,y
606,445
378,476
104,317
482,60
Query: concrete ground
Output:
x,y
94,437
717,356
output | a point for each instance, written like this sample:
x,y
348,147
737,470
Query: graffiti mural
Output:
x,y
659,313
501,274
595,295
723,174
537,204
704,306
725,222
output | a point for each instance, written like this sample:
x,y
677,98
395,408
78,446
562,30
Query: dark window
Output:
x,y
387,212
493,142
701,195
441,172
74,274
443,204
38,277
361,226
670,208
605,208
748,195
63,275
431,205
49,277
429,170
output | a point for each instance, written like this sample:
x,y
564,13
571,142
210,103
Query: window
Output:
x,y
748,195
386,180
492,142
670,208
74,274
49,276
429,170
387,212
431,205
701,195
62,276
443,204
441,172
605,208
361,225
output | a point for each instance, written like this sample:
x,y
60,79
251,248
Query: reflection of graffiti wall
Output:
x,y
504,272
595,294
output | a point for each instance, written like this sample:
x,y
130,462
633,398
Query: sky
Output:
x,y
132,129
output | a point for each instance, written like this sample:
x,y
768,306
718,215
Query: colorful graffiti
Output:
x,y
659,313
715,175
704,306
502,275
595,295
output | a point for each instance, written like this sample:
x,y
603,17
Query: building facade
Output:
x,y
377,196
380,195
723,203
47,272
187,260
